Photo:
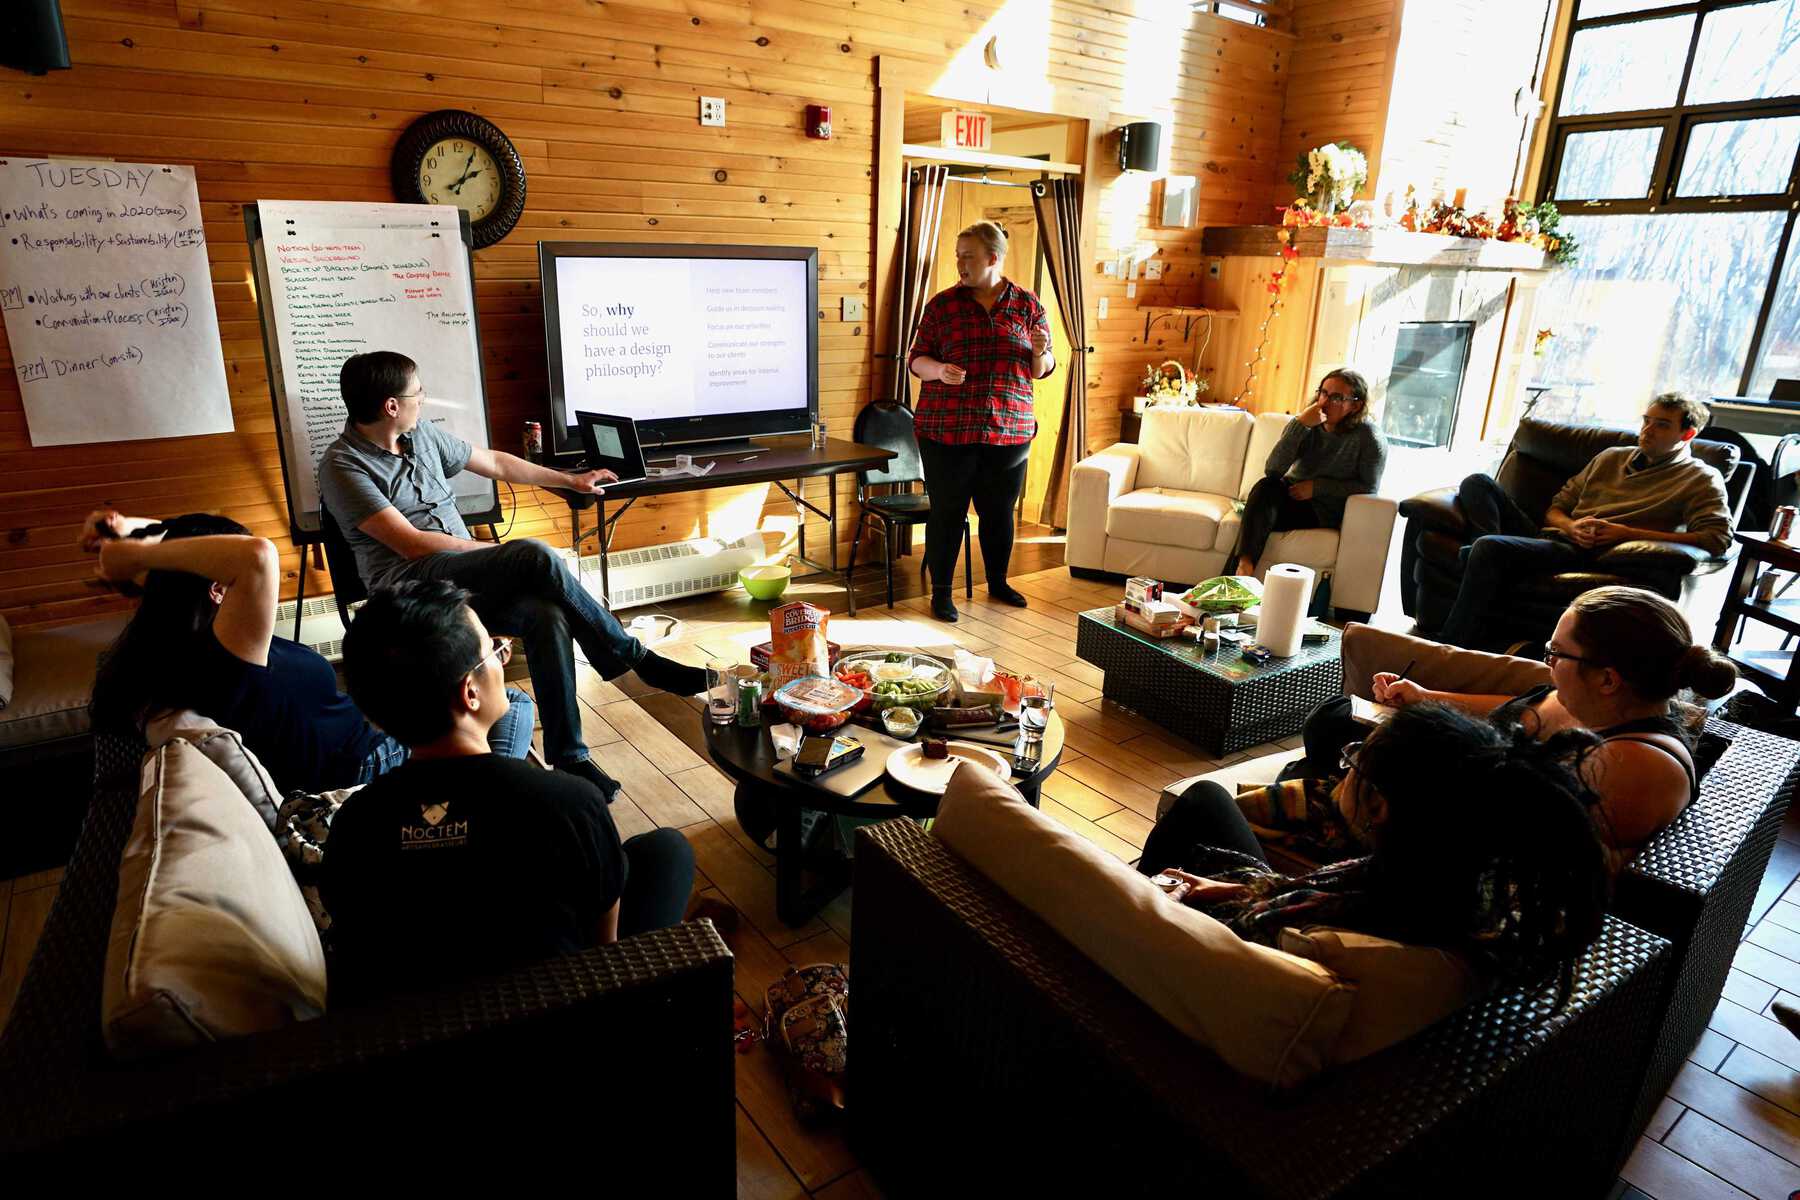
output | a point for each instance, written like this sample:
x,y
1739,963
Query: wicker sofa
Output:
x,y
624,1048
1693,884
987,1045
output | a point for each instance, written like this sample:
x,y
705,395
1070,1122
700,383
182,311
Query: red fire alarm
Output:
x,y
818,121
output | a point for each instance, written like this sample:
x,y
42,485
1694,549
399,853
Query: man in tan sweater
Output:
x,y
1654,491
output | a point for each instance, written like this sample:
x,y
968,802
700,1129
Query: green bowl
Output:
x,y
765,583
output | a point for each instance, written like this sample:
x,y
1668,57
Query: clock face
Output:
x,y
460,171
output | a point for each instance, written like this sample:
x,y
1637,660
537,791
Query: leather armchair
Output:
x,y
1542,457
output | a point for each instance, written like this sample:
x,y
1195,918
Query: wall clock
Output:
x,y
456,157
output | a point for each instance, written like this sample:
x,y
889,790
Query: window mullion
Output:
x,y
1782,250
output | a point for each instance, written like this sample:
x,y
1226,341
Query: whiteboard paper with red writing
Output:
x,y
108,301
339,279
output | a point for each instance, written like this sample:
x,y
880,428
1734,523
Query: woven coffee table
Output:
x,y
1212,697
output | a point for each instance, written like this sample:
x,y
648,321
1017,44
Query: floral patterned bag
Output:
x,y
807,1020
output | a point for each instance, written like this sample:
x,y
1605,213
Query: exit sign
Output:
x,y
968,130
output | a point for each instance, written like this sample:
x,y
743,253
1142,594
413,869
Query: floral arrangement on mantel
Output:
x,y
1328,177
1170,386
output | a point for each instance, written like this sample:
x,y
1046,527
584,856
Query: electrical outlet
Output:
x,y
851,308
1153,269
1103,308
1131,289
712,110
1212,268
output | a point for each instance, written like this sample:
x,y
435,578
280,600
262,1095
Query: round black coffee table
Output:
x,y
748,756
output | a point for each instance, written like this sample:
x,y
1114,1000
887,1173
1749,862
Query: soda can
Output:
x,y
534,441
749,703
1783,525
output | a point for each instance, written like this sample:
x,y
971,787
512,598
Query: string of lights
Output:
x,y
1277,282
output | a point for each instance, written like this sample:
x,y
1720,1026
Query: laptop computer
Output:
x,y
612,445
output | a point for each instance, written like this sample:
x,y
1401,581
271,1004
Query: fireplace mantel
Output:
x,y
1390,247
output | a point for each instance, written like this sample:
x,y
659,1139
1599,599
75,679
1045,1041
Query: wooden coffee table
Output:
x,y
1210,697
748,756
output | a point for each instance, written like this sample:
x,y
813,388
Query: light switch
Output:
x,y
1103,308
1131,289
852,308
1153,269
1110,268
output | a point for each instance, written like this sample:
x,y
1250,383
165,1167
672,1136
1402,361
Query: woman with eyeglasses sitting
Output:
x,y
1473,836
1617,660
203,638
1327,454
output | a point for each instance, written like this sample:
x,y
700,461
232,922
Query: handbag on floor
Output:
x,y
807,1023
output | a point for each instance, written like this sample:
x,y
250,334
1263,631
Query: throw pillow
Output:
x,y
1400,989
1271,1015
226,750
210,938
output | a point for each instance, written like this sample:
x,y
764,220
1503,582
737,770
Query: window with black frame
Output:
x,y
1674,157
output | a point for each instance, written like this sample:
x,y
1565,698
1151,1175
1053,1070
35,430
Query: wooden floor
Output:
x,y
1730,1127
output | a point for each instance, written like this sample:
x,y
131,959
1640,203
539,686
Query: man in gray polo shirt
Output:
x,y
386,483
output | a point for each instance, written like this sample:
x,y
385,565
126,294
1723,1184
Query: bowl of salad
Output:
x,y
895,678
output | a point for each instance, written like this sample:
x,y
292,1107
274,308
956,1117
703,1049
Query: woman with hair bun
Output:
x,y
1618,658
979,347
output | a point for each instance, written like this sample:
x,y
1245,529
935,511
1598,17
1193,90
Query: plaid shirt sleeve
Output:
x,y
993,405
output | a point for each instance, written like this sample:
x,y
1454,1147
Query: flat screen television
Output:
x,y
695,343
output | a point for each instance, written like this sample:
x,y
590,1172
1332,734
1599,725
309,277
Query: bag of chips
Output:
x,y
797,643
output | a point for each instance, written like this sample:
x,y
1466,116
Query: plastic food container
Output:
x,y
817,704
900,678
901,720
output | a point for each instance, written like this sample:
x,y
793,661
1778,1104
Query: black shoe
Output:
x,y
585,769
1788,1015
671,676
943,607
1007,595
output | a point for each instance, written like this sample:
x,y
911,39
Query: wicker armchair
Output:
x,y
621,1053
987,1045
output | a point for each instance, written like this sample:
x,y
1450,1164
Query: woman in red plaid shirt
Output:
x,y
979,346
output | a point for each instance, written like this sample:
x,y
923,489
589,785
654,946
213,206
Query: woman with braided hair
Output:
x,y
1503,866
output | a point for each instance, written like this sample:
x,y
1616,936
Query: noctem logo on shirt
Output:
x,y
437,830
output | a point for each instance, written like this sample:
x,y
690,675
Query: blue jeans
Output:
x,y
510,736
1495,560
523,588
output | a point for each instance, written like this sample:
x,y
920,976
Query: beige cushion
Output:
x,y
1260,771
1442,668
53,680
1400,989
1270,1015
226,750
6,664
1168,518
1193,449
210,937
1267,431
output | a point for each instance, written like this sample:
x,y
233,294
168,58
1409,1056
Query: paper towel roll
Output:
x,y
1287,591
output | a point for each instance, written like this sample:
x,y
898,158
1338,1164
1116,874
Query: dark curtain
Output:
x,y
918,246
1058,203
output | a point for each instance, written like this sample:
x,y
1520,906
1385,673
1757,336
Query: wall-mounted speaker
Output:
x,y
31,36
1140,146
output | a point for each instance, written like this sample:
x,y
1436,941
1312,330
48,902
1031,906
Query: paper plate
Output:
x,y
908,765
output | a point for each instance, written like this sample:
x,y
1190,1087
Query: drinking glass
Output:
x,y
721,691
1037,697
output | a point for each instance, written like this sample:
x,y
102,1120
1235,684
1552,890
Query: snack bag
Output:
x,y
798,646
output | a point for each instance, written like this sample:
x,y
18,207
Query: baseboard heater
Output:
x,y
643,576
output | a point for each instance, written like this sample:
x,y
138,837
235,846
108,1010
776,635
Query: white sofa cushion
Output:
x,y
1268,430
210,936
1315,548
1193,449
1273,1016
1166,517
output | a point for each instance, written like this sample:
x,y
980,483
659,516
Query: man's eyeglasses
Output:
x,y
1551,654
503,646
1348,755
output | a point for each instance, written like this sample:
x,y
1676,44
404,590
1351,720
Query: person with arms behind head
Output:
x,y
386,482
1653,491
461,862
203,638
1327,454
979,346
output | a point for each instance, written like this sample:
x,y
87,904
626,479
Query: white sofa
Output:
x,y
1165,508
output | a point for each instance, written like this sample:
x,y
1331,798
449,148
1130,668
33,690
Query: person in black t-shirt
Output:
x,y
460,862
203,638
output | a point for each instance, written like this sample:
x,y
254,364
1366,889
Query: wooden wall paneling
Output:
x,y
303,99
1340,82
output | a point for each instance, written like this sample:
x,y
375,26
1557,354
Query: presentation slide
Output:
x,y
659,338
